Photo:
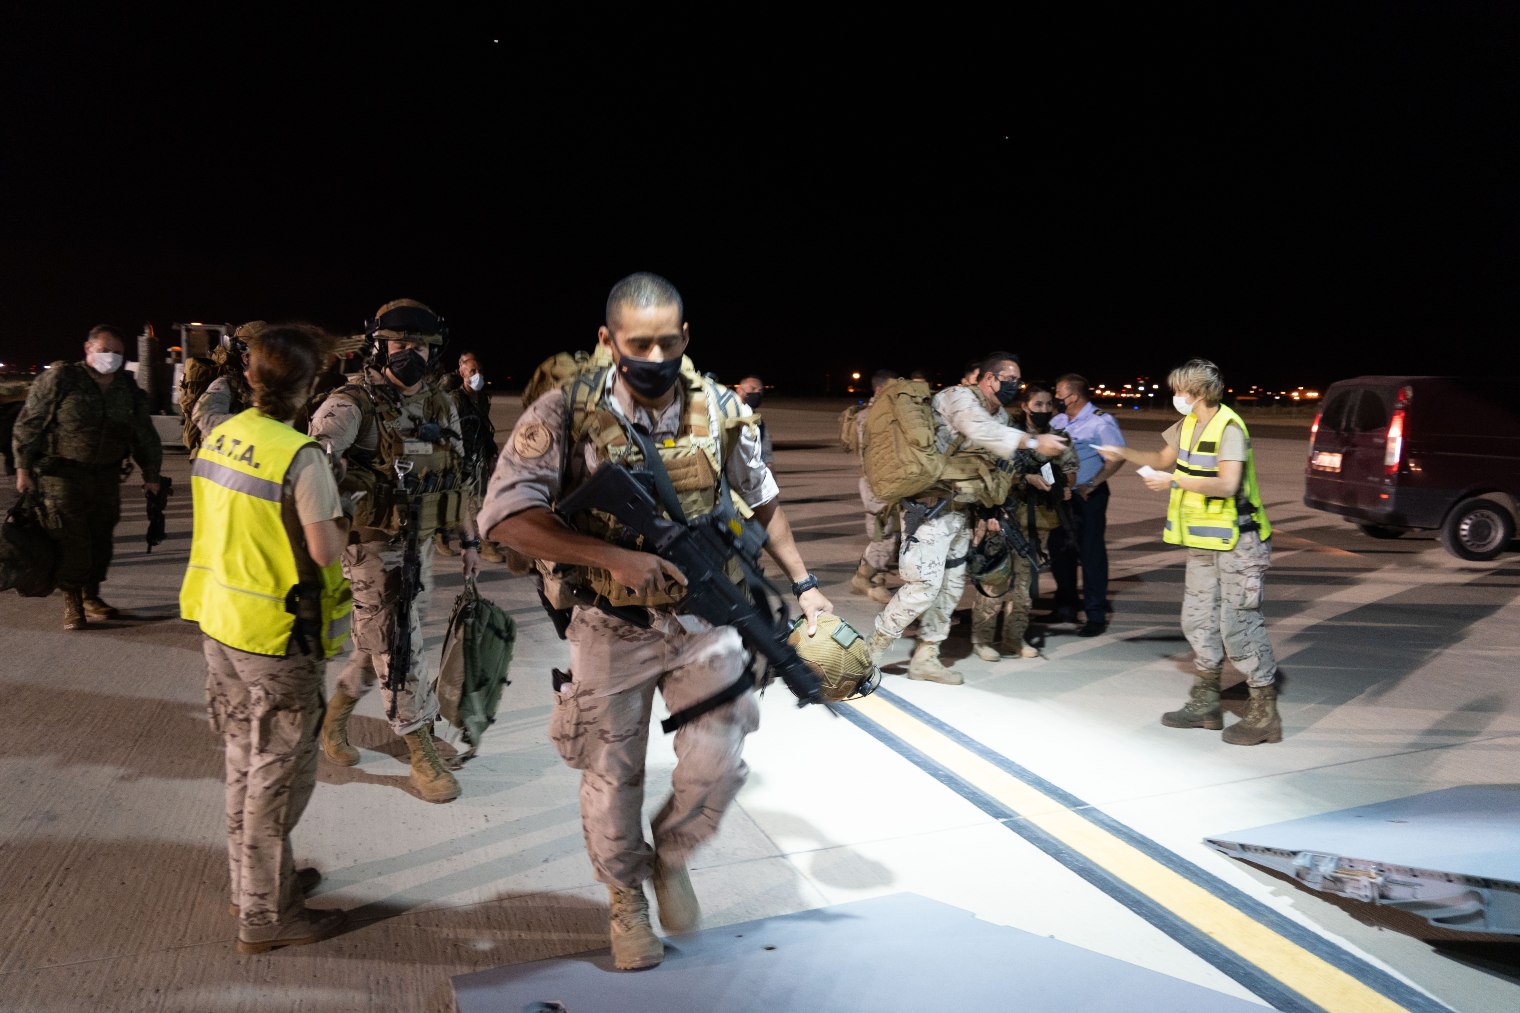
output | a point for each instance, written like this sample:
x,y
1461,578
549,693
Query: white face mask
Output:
x,y
475,382
104,362
1182,404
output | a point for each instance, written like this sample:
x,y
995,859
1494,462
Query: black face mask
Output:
x,y
407,366
649,379
753,400
1041,420
1008,391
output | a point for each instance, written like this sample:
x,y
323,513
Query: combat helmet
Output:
x,y
406,319
234,343
989,564
840,656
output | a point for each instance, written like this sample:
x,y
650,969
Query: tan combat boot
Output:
x,y
634,944
1261,723
881,643
441,543
96,607
335,730
864,582
1202,708
925,666
308,926
679,910
429,775
984,633
73,609
491,552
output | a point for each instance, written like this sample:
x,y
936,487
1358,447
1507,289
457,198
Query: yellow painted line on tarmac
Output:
x,y
1305,973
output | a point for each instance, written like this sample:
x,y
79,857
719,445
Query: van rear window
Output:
x,y
1371,415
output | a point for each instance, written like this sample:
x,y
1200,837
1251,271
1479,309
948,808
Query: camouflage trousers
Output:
x,y
1221,609
932,585
883,530
81,509
600,726
267,711
373,568
1012,606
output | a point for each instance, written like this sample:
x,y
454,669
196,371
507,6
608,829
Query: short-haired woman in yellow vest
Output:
x,y
265,586
1215,511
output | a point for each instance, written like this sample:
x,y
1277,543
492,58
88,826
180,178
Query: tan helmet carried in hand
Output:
x,y
840,656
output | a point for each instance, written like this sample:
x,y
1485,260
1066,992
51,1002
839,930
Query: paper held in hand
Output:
x,y
1146,471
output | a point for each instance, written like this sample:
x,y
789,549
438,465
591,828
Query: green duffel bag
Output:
x,y
477,651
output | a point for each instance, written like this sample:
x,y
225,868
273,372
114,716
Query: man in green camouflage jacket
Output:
x,y
81,422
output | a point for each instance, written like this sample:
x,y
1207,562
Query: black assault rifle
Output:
x,y
399,644
701,549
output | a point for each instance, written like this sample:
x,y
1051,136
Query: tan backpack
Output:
x,y
900,457
849,427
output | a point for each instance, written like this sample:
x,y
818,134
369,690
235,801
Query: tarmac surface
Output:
x,y
1401,661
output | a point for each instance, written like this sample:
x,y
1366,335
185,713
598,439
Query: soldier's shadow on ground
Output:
x,y
482,776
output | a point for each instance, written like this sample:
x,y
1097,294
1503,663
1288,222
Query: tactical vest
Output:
x,y
432,474
243,577
1213,522
709,430
974,475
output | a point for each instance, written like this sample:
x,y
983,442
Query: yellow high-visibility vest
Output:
x,y
243,584
1213,522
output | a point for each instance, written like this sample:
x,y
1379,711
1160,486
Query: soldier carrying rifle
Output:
x,y
649,408
395,437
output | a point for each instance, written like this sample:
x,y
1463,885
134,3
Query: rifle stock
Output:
x,y
701,550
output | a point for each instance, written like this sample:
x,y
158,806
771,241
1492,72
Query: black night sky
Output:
x,y
1302,192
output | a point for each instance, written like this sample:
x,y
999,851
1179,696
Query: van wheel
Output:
x,y
1477,529
1381,531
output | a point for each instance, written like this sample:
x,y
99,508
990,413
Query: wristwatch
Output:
x,y
469,543
805,584
1031,441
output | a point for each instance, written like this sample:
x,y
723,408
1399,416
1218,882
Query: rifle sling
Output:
x,y
736,689
662,484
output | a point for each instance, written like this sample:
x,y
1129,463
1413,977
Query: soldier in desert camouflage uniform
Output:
x,y
1032,412
269,620
80,423
227,393
626,639
399,437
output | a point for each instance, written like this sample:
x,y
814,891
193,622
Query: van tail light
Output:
x,y
1393,447
1314,429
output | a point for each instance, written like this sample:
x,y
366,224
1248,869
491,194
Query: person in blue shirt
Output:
x,y
1089,427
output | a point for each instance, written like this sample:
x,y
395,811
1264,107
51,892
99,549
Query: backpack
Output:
x,y
477,651
562,367
849,427
198,375
28,554
900,457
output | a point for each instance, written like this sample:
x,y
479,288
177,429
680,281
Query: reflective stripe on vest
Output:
x,y
241,582
1213,522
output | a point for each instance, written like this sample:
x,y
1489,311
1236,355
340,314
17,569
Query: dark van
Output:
x,y
1441,453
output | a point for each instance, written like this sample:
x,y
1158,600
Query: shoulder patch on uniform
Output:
x,y
1099,411
532,440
